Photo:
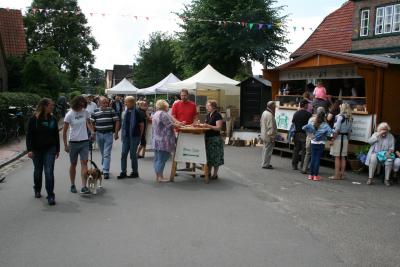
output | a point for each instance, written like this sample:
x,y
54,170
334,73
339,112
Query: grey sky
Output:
x,y
119,35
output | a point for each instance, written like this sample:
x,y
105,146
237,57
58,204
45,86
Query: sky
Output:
x,y
119,33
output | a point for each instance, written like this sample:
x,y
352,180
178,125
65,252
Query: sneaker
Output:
x,y
51,201
387,183
106,176
38,195
317,178
122,175
85,190
369,181
310,177
134,175
73,189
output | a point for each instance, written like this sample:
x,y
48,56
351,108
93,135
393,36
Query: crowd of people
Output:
x,y
102,121
315,126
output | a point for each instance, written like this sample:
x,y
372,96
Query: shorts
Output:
x,y
78,148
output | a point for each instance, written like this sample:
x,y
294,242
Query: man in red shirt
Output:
x,y
184,110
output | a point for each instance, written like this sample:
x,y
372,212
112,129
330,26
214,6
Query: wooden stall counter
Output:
x,y
191,148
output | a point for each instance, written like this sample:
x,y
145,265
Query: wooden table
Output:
x,y
191,148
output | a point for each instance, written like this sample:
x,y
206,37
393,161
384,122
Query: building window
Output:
x,y
396,19
388,19
380,12
364,29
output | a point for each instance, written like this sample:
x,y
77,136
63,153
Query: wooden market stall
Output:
x,y
370,84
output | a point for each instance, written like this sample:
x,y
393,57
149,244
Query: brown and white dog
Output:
x,y
94,177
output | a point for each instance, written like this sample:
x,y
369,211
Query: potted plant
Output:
x,y
357,162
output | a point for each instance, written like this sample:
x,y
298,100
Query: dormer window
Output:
x,y
364,29
387,19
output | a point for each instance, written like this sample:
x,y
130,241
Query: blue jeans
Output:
x,y
44,160
316,153
130,145
105,142
160,158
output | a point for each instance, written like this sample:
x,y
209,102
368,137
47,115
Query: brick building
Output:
x,y
12,40
377,27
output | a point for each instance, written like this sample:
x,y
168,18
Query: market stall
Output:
x,y
367,83
161,87
124,87
210,84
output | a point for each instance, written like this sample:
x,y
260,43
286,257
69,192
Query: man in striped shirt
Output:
x,y
106,125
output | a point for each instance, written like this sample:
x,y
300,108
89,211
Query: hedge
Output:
x,y
18,99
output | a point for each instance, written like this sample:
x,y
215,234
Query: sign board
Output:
x,y
191,148
284,118
345,72
362,128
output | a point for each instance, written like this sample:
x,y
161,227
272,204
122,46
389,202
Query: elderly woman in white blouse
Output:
x,y
382,141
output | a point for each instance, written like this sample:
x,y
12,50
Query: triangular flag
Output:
x,y
147,18
34,10
270,26
243,23
260,26
251,25
294,28
136,17
91,14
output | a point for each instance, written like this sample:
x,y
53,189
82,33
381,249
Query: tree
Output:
x,y
15,65
156,59
228,46
60,24
41,74
93,83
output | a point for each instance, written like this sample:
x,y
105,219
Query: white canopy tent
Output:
x,y
123,88
160,87
208,79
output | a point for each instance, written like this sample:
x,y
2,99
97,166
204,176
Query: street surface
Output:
x,y
249,217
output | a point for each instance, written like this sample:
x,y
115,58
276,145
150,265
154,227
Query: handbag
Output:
x,y
381,156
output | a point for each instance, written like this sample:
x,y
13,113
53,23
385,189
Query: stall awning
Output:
x,y
208,79
161,87
123,88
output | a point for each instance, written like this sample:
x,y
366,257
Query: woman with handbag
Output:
x,y
380,152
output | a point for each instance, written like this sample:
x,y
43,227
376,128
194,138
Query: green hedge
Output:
x,y
18,99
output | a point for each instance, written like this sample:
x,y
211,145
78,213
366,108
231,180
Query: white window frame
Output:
x,y
377,25
364,24
388,19
396,18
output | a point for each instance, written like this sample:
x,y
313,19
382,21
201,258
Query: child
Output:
x,y
321,130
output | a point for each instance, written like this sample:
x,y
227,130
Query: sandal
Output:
x,y
334,178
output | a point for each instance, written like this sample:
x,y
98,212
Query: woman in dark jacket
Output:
x,y
43,146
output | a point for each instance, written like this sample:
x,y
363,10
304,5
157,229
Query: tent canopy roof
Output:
x,y
160,87
123,88
208,78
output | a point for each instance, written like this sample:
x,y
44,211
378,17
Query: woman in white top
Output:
x,y
77,144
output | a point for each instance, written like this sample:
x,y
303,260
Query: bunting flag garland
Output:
x,y
250,25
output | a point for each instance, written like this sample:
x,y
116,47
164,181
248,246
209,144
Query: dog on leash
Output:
x,y
94,178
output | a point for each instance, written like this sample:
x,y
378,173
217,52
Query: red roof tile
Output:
x,y
12,32
333,34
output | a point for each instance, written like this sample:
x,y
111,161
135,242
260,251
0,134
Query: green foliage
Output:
x,y
155,60
73,94
15,65
228,47
18,99
41,74
94,81
67,33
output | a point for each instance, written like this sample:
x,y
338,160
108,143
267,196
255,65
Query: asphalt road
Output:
x,y
250,217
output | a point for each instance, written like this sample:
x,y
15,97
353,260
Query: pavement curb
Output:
x,y
16,157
